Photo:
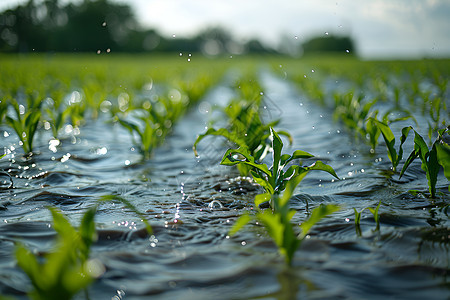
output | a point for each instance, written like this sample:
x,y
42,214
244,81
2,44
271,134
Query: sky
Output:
x,y
380,28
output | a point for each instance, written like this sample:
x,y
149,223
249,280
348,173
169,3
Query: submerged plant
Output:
x,y
375,214
67,269
278,223
429,158
25,124
389,139
147,133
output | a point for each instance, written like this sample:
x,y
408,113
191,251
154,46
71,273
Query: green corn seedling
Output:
x,y
67,269
375,214
279,187
245,126
279,226
275,178
429,158
25,124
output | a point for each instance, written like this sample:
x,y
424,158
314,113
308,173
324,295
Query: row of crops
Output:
x,y
45,100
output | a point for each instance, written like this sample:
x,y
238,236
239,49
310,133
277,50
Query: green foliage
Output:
x,y
275,178
375,214
148,138
67,269
328,43
245,126
278,222
428,157
350,110
389,139
279,187
25,123
443,156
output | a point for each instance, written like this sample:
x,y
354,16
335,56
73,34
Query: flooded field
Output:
x,y
193,202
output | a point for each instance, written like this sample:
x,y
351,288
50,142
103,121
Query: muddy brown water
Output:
x,y
193,202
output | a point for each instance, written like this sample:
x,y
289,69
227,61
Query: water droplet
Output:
x,y
347,220
181,54
104,24
296,37
174,35
99,51
127,162
348,51
326,33
312,71
243,243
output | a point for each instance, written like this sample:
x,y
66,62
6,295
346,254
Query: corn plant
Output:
x,y
3,109
25,124
350,110
275,178
429,157
375,214
245,127
146,131
389,139
278,223
279,186
443,156
67,269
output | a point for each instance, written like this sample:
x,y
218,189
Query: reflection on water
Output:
x,y
192,204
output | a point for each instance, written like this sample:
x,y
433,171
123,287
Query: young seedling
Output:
x,y
245,126
25,124
389,139
358,221
375,214
278,222
147,135
67,269
279,187
429,158
275,178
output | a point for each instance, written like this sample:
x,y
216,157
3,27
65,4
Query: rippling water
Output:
x,y
192,204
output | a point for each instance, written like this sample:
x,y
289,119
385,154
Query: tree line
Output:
x,y
102,25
